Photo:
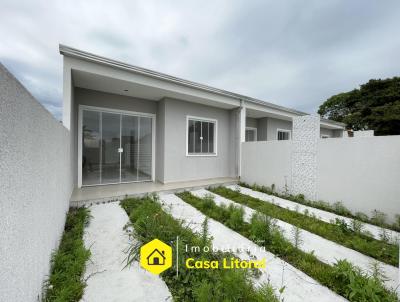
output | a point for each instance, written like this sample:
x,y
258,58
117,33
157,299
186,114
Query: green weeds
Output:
x,y
263,232
377,218
68,263
149,221
339,232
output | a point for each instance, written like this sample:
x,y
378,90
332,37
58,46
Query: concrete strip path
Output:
x,y
107,279
325,250
375,231
298,286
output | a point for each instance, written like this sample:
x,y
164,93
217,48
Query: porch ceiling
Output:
x,y
107,84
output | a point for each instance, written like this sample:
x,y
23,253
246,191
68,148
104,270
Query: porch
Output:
x,y
106,193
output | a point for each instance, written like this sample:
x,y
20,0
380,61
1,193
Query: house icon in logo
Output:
x,y
156,258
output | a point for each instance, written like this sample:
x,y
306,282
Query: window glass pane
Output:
x,y
283,135
129,145
145,148
91,143
250,135
211,138
110,169
191,137
197,135
204,132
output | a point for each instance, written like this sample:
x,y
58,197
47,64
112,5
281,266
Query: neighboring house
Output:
x,y
130,124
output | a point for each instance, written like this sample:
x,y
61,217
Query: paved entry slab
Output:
x,y
107,279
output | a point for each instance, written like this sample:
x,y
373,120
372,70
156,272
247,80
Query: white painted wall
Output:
x,y
35,187
363,173
266,163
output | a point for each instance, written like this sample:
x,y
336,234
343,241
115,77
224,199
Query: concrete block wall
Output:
x,y
35,188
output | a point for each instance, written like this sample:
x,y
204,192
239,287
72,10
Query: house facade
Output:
x,y
130,124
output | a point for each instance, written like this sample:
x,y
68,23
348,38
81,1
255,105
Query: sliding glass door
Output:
x,y
116,148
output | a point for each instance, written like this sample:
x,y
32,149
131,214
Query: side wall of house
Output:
x,y
178,166
35,188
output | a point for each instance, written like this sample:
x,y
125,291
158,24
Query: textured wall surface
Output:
x,y
35,187
267,163
363,173
364,133
306,134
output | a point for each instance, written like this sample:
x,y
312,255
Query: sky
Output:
x,y
292,53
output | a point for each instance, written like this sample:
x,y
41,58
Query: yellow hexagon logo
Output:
x,y
156,256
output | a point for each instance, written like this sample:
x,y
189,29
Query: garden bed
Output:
x,y
326,251
66,281
296,285
339,233
343,278
149,221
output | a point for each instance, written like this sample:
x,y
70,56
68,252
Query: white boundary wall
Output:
x,y
361,172
35,188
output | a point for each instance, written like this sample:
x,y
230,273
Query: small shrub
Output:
x,y
378,218
361,216
340,209
360,287
357,226
261,228
297,239
236,217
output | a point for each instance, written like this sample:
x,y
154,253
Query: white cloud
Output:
x,y
293,53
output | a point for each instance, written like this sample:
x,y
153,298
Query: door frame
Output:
x,y
117,111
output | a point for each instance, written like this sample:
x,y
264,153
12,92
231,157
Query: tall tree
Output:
x,y
374,106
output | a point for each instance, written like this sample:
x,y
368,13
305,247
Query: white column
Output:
x,y
306,133
242,134
67,94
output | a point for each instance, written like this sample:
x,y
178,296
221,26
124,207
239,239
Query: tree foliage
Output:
x,y
374,106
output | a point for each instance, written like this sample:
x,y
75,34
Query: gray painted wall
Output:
x,y
262,130
275,124
35,187
178,166
251,122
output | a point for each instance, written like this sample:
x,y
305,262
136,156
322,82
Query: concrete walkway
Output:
x,y
107,280
298,286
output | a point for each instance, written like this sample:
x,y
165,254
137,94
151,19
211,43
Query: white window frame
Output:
x,y
202,119
255,132
284,130
81,108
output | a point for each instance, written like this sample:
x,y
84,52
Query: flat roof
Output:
x,y
73,52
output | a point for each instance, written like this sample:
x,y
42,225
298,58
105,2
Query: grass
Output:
x,y
149,221
342,277
68,263
339,233
378,218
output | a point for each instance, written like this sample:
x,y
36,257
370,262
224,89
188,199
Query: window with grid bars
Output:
x,y
283,135
201,137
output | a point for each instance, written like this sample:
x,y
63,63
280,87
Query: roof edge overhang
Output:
x,y
87,56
